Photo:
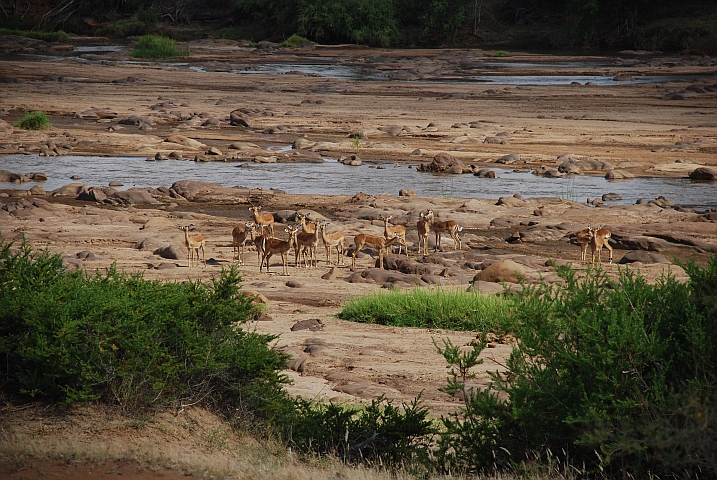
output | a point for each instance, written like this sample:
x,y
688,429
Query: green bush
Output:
x,y
378,434
617,376
153,46
440,308
122,340
34,121
58,36
295,41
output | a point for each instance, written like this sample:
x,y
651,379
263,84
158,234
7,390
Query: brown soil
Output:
x,y
348,362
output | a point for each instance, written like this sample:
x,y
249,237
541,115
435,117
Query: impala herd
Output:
x,y
305,237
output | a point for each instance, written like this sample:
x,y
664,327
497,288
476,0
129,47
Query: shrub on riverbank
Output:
x,y
58,36
34,121
121,340
156,47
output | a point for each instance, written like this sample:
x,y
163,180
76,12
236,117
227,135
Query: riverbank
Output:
x,y
101,108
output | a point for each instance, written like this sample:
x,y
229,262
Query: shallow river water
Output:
x,y
332,177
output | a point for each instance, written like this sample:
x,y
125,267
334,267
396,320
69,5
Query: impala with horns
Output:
x,y
261,219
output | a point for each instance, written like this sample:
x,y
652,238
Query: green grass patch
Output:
x,y
296,41
58,36
440,308
34,121
154,46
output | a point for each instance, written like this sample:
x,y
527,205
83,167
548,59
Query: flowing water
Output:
x,y
332,177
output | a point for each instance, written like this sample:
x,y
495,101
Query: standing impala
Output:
x,y
194,243
307,241
239,237
600,237
424,228
306,226
449,226
273,246
379,243
583,237
330,240
261,219
388,233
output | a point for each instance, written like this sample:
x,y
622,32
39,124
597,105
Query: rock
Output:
x,y
313,324
238,118
704,173
330,275
611,197
170,252
294,284
69,190
187,142
642,257
213,151
10,177
406,192
190,189
444,162
509,159
352,160
135,196
485,173
37,190
503,271
618,175
510,202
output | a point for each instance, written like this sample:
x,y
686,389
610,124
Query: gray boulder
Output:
x,y
643,257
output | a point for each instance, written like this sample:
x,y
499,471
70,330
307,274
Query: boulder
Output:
x,y
642,257
406,192
10,177
190,189
171,252
704,173
445,162
135,196
69,190
187,142
509,159
504,271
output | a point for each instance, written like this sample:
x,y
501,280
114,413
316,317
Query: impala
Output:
x,y
273,246
583,237
389,232
193,243
239,236
449,226
379,243
261,219
424,228
306,227
307,241
330,240
600,237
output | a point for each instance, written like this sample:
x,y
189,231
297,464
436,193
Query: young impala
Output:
x,y
600,237
240,234
330,240
261,219
449,226
583,237
424,228
388,233
274,246
194,243
307,241
379,243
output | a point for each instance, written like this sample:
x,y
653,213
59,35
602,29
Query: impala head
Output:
x,y
186,228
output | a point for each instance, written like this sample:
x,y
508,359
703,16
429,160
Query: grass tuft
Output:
x,y
440,308
154,46
34,121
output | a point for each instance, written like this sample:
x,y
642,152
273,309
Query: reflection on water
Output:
x,y
334,178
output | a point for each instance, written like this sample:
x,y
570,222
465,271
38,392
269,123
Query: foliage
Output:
x,y
34,121
154,46
619,376
440,308
296,41
58,36
122,340
378,434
